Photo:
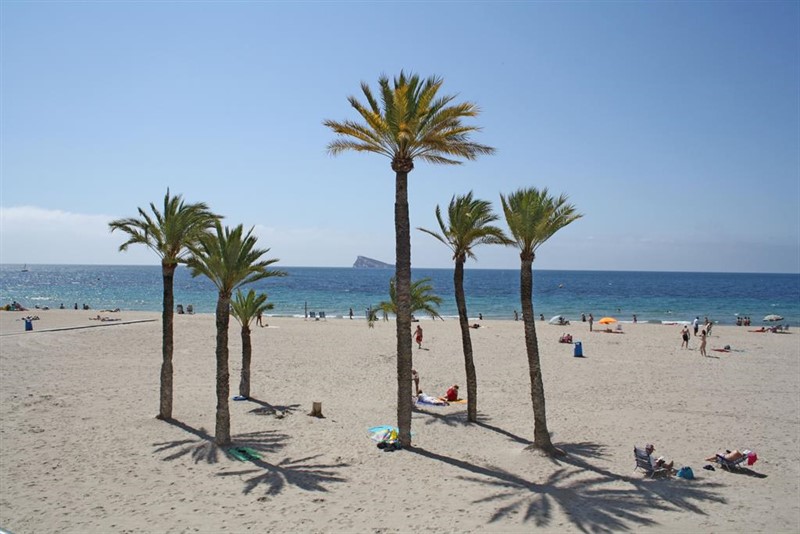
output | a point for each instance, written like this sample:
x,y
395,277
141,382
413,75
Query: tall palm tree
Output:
x,y
244,309
230,260
422,299
410,122
533,216
468,225
169,233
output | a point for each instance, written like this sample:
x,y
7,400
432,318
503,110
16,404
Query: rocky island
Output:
x,y
363,262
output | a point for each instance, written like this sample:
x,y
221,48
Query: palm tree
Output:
x,y
411,121
422,299
230,260
168,233
533,217
244,309
469,225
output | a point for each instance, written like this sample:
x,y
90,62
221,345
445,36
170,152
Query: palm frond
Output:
x,y
409,120
533,217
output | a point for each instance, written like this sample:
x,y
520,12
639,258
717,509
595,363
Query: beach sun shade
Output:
x,y
607,320
773,317
558,319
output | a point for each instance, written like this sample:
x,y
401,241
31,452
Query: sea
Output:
x,y
653,297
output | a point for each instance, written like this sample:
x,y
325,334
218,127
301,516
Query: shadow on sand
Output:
x,y
602,502
259,473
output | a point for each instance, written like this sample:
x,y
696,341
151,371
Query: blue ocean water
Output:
x,y
652,296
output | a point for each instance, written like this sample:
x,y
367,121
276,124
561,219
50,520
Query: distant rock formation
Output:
x,y
368,263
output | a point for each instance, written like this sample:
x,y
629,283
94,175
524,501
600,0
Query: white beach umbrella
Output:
x,y
773,317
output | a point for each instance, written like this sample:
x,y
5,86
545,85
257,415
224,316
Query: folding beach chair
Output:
x,y
322,315
643,463
732,465
312,315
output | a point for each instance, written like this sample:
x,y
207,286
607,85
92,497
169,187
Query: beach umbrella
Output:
x,y
773,317
607,320
557,319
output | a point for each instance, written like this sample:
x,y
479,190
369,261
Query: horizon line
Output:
x,y
4,265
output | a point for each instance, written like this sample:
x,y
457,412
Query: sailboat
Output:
x,y
25,268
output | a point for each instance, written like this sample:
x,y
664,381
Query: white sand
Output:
x,y
81,451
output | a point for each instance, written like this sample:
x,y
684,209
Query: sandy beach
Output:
x,y
81,451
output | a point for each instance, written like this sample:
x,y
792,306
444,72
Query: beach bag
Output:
x,y
685,472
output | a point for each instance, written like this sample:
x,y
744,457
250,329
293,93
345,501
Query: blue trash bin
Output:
x,y
578,349
28,325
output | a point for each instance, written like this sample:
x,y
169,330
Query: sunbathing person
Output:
x,y
659,462
427,399
730,456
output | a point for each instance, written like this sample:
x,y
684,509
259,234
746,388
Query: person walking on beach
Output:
x,y
696,325
351,314
418,336
516,315
685,336
258,319
591,321
703,342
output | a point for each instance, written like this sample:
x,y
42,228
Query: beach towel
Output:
x,y
430,401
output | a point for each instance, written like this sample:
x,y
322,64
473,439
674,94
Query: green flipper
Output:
x,y
243,454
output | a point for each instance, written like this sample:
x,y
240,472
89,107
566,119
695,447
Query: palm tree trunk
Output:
x,y
541,436
403,287
466,342
168,300
222,433
247,353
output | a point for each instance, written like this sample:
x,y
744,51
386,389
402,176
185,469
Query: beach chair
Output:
x,y
732,465
190,309
643,463
312,315
322,315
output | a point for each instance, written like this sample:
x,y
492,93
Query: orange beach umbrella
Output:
x,y
607,320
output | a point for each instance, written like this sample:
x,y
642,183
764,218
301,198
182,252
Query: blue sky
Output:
x,y
673,127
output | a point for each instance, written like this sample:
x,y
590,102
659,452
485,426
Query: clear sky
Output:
x,y
674,127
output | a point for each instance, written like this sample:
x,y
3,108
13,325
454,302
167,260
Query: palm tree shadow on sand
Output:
x,y
459,418
265,408
598,503
274,477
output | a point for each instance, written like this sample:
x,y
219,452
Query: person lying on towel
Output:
x,y
427,399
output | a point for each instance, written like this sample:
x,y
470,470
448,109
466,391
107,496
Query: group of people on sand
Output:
x,y
104,319
703,333
451,395
723,458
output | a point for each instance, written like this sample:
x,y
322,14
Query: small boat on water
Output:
x,y
25,268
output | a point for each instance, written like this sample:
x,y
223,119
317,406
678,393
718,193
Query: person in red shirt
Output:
x,y
452,394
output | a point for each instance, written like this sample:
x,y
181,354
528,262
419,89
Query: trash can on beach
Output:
x,y
28,325
578,349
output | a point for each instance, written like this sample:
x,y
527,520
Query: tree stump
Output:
x,y
316,409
